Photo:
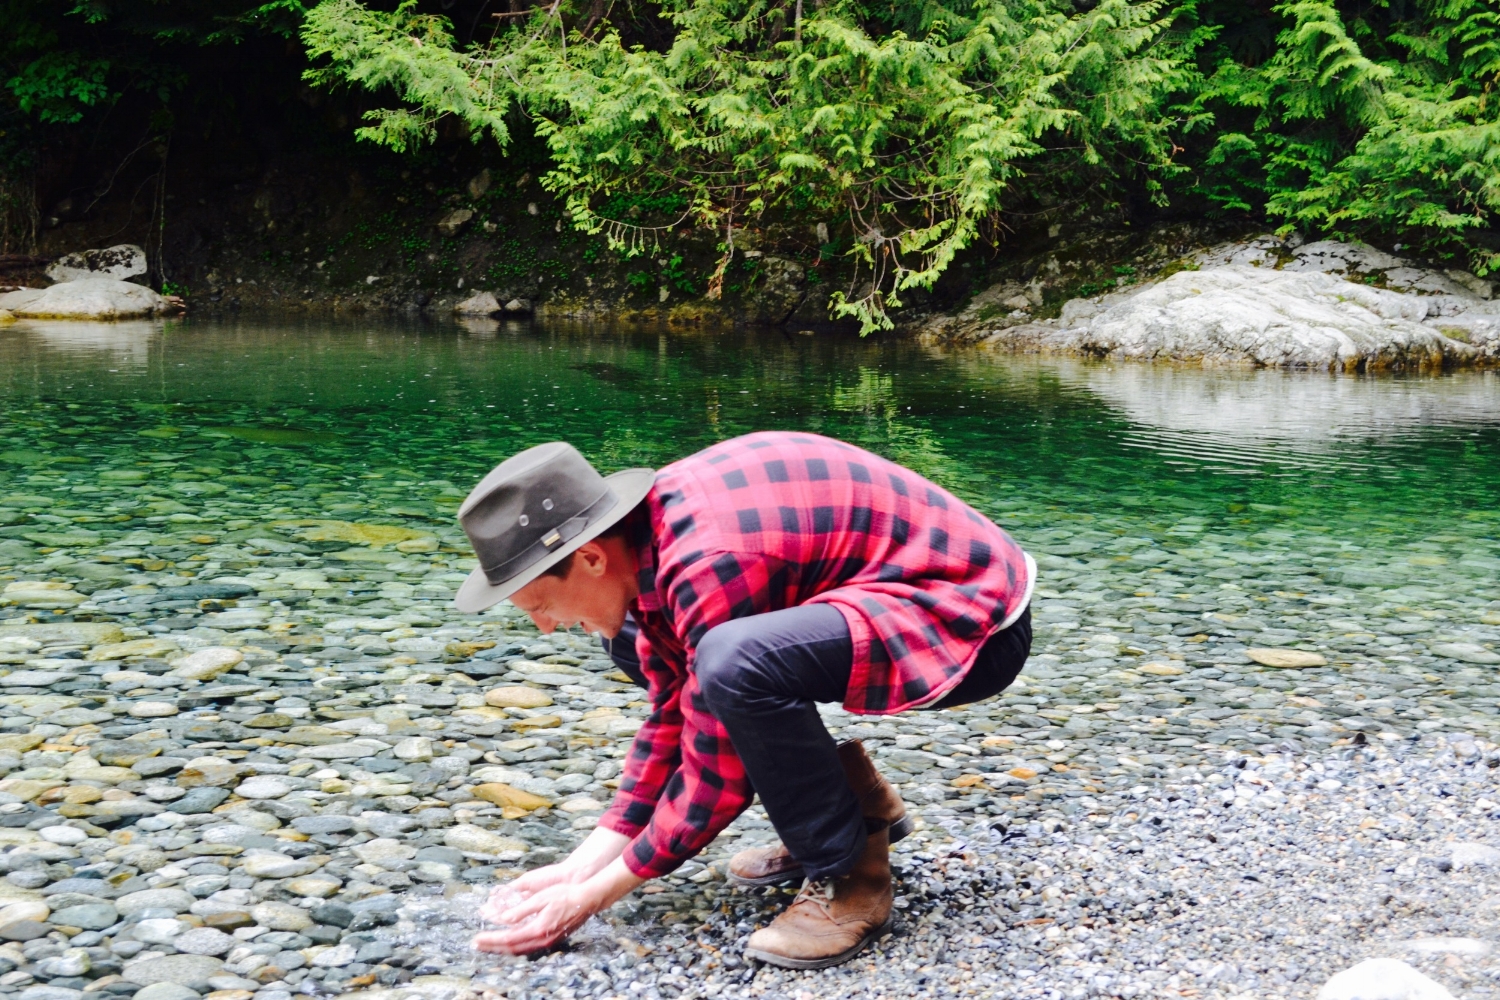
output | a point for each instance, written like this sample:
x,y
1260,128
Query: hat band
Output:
x,y
549,542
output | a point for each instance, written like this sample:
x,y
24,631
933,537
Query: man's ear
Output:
x,y
595,558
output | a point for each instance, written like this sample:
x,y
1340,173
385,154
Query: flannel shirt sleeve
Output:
x,y
709,787
653,758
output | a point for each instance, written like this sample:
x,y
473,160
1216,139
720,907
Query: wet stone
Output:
x,y
192,971
166,991
89,916
204,941
172,900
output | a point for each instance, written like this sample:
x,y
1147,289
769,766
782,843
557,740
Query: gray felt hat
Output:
x,y
532,510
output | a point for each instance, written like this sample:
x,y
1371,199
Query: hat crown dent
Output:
x,y
512,467
492,514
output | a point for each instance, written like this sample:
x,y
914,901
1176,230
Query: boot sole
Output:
x,y
899,830
785,962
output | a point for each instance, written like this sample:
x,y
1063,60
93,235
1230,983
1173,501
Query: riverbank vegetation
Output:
x,y
899,133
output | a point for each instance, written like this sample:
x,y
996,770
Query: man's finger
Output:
x,y
524,909
520,941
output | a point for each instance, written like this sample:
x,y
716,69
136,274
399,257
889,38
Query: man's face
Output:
x,y
595,594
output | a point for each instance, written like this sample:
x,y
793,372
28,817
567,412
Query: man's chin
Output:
x,y
605,629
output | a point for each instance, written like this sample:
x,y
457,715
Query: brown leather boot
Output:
x,y
761,866
831,921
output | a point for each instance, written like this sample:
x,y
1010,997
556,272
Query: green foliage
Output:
x,y
413,54
60,60
907,126
911,130
58,86
1366,120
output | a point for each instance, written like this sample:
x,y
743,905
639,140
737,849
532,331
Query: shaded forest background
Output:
x,y
653,150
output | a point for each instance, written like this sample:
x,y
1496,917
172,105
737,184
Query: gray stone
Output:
x,y
175,900
50,993
262,786
166,991
1468,652
335,751
89,916
93,298
192,971
326,823
1245,303
228,982
1470,855
151,767
203,941
200,800
334,913
204,885
24,930
157,930
271,865
73,962
388,824
79,717
479,304
121,262
280,916
94,888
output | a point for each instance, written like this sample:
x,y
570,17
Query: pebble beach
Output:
x,y
250,751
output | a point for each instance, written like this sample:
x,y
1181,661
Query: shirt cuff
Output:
x,y
614,819
649,860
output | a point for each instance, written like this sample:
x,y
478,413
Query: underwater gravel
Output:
x,y
250,750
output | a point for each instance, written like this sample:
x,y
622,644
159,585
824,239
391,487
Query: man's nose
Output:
x,y
543,623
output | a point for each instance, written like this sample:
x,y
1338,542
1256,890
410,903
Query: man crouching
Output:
x,y
758,577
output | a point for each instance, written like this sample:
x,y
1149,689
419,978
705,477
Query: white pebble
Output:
x,y
207,663
67,836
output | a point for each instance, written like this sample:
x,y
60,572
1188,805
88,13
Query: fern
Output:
x,y
910,134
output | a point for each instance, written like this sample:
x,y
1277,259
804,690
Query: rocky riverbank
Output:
x,y
1265,302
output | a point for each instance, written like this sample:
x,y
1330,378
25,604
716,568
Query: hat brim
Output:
x,y
629,486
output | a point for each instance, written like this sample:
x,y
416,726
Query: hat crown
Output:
x,y
529,504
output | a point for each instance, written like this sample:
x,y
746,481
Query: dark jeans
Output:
x,y
762,676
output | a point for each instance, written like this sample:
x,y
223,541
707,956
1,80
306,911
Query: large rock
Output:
x,y
1382,979
452,223
478,304
1323,305
90,298
121,263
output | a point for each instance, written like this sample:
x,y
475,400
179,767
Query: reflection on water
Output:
x,y
1288,407
451,399
125,343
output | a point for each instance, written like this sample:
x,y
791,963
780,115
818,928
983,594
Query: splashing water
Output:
x,y
443,925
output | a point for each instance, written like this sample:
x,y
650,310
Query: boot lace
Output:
x,y
820,891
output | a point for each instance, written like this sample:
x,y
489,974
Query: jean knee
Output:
x,y
722,666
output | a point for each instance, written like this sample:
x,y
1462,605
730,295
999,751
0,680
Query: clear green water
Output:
x,y
1128,480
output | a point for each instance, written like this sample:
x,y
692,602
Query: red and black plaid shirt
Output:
x,y
775,520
